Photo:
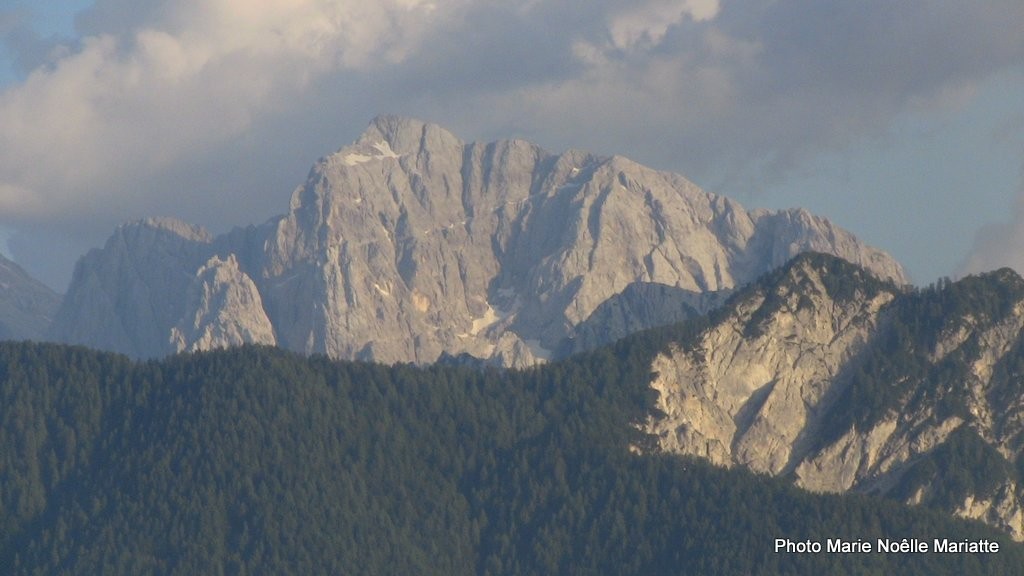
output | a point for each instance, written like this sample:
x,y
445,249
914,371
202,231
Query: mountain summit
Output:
x,y
824,375
410,244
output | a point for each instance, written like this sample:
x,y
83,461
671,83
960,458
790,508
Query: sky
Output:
x,y
902,122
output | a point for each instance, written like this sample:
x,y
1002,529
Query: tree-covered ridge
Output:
x,y
929,356
840,281
926,351
823,374
257,461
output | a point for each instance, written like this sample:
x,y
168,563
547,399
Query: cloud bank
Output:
x,y
212,110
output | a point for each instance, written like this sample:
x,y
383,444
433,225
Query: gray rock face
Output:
x,y
223,308
27,306
127,296
410,243
639,306
848,386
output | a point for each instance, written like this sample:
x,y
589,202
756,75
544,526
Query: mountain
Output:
x,y
254,460
410,244
27,306
826,375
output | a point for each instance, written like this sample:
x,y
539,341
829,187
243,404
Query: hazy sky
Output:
x,y
900,121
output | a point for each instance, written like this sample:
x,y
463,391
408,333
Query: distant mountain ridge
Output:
x,y
27,306
409,244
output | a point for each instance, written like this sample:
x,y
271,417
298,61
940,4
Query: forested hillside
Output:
x,y
258,461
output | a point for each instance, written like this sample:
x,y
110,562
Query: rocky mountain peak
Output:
x,y
407,136
825,374
224,308
168,227
409,244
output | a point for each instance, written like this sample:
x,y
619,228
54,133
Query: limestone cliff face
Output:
x,y
844,383
409,244
223,308
127,296
762,378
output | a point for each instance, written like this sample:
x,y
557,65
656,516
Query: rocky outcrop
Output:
x,y
127,296
223,308
410,244
27,306
753,390
822,374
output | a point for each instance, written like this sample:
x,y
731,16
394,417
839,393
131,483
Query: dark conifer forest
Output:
x,y
258,461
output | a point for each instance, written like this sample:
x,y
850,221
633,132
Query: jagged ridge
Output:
x,y
409,244
824,374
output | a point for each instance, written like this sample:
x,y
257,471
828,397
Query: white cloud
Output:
x,y
645,25
212,110
121,108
